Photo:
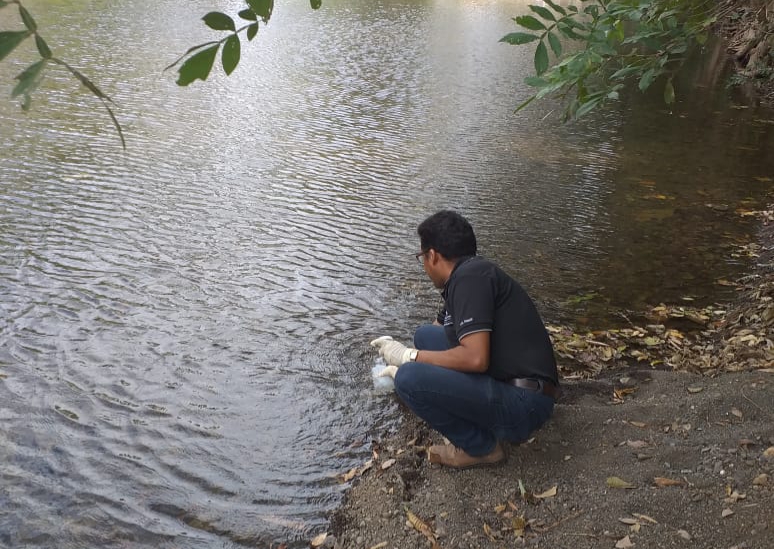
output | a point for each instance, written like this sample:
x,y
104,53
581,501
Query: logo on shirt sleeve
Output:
x,y
466,321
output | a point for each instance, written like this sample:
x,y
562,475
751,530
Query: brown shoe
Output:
x,y
451,456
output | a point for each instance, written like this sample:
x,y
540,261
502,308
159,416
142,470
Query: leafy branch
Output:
x,y
620,41
30,78
201,58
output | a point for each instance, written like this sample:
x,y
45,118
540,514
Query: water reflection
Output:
x,y
184,325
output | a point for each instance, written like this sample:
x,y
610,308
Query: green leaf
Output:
x,y
262,8
573,8
647,79
191,49
548,90
669,92
231,53
95,90
587,107
556,45
545,13
3,4
616,33
316,4
219,21
43,48
568,32
541,58
29,22
91,86
529,22
536,82
26,103
248,15
197,66
557,8
680,47
518,38
524,104
9,40
29,78
252,30
623,73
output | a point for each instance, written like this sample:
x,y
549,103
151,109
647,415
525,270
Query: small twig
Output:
x,y
560,521
626,318
754,403
582,534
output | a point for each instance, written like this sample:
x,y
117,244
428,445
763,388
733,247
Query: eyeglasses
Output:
x,y
421,257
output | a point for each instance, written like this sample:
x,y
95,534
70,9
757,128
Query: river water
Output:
x,y
184,329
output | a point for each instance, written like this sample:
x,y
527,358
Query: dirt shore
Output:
x,y
694,456
676,457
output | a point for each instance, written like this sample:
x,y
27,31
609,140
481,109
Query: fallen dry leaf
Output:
x,y
387,464
736,412
624,543
621,393
615,482
663,481
645,518
420,526
551,492
381,545
639,424
319,540
500,508
636,443
519,525
726,513
734,496
488,532
629,521
683,534
761,480
768,453
349,475
695,389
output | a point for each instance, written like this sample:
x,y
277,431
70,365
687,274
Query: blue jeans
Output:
x,y
473,411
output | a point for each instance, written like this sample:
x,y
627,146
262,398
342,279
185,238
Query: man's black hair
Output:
x,y
448,233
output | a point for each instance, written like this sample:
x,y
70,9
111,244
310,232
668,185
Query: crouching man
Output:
x,y
485,371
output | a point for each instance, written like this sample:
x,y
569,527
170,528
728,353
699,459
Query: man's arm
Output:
x,y
471,355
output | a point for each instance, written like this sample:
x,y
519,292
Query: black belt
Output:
x,y
538,385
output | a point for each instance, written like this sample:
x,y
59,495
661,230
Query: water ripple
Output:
x,y
184,324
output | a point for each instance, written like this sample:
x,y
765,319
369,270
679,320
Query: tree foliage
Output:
x,y
618,41
29,79
598,47
197,62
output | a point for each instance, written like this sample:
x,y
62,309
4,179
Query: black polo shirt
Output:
x,y
480,297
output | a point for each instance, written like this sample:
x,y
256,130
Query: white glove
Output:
x,y
393,352
388,371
